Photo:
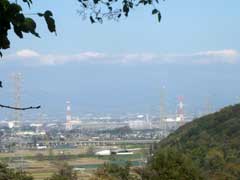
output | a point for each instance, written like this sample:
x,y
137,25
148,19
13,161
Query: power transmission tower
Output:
x,y
148,121
238,99
162,111
180,111
17,80
68,116
209,108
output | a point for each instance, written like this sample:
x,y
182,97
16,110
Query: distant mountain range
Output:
x,y
117,89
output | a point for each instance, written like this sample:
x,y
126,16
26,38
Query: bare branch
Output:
x,y
16,108
20,109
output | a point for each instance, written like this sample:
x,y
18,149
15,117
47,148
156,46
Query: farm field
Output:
x,y
43,163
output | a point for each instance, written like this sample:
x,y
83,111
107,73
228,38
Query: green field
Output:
x,y
42,164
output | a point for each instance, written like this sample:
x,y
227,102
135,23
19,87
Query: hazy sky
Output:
x,y
121,66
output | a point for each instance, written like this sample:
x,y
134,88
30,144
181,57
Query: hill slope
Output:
x,y
213,142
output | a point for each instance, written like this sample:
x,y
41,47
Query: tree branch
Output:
x,y
16,108
20,109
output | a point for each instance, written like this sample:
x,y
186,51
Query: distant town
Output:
x,y
24,142
98,131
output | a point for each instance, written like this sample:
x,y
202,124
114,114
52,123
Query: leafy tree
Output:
x,y
233,169
10,174
113,171
65,172
212,142
169,164
220,176
215,160
13,18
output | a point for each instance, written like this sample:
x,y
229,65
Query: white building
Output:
x,y
138,124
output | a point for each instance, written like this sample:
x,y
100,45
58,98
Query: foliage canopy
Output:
x,y
168,164
9,174
65,172
13,18
212,142
112,171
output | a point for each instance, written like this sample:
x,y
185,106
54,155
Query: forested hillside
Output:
x,y
213,143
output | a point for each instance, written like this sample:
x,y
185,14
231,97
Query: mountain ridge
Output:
x,y
212,142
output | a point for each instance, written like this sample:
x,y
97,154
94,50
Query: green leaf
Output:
x,y
14,9
29,2
18,31
18,19
30,24
159,17
49,20
4,42
130,4
155,11
51,24
92,20
48,13
125,9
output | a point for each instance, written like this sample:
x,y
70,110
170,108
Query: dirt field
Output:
x,y
24,153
